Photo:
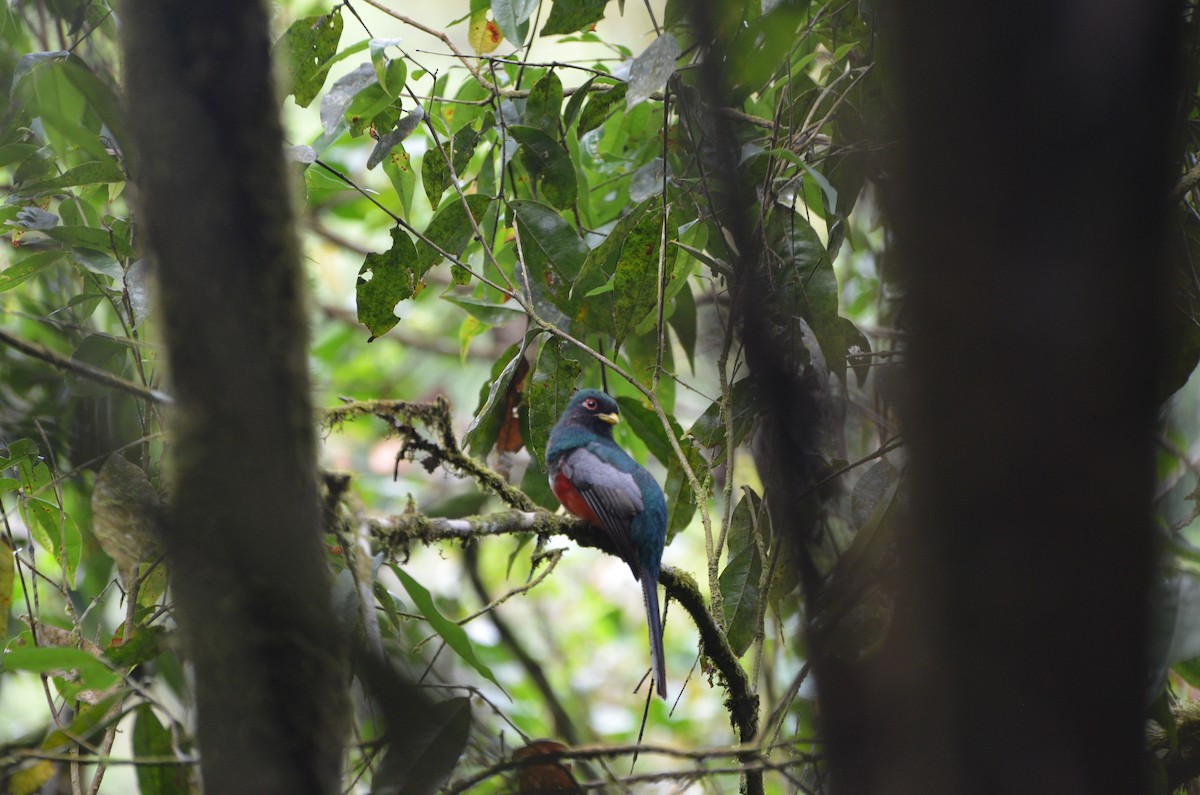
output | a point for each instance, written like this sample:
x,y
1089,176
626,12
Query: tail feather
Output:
x,y
653,620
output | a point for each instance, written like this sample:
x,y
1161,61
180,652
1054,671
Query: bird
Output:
x,y
597,481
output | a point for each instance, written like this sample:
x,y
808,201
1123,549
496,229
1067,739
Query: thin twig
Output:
x,y
38,351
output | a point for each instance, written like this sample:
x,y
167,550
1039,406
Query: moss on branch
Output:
x,y
396,535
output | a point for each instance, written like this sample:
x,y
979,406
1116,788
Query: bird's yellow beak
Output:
x,y
611,419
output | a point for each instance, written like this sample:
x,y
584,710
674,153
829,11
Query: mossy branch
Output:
x,y
396,535
1179,760
437,449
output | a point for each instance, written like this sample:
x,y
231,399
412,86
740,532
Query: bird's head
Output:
x,y
594,410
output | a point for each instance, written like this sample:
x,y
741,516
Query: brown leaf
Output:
x,y
549,775
509,439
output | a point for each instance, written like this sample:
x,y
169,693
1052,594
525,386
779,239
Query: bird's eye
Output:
x,y
590,404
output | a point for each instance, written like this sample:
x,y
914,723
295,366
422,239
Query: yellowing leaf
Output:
x,y
483,34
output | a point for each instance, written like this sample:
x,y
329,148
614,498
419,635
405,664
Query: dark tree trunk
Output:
x,y
1029,208
1029,199
250,582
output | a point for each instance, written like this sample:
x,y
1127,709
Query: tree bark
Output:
x,y
1029,211
249,577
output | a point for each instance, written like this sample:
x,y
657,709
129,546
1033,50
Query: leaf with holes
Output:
x,y
310,44
385,280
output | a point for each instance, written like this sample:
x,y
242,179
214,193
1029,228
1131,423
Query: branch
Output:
x,y
607,751
1186,182
396,535
82,368
440,450
563,725
1180,759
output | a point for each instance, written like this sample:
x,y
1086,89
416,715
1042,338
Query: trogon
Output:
x,y
598,481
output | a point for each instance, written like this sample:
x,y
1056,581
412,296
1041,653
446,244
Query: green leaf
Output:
x,y
454,635
489,312
105,240
512,17
152,739
808,288
681,499
597,313
683,320
575,103
56,531
310,45
29,267
544,105
435,175
758,48
549,391
15,153
421,762
553,251
368,106
399,170
568,16
450,230
86,724
646,426
391,73
101,352
93,673
635,280
650,71
62,108
1189,670
548,164
709,428
599,105
385,280
739,582
434,172
143,645
90,173
7,567
102,99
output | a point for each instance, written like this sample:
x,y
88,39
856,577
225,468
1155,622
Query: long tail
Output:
x,y
650,592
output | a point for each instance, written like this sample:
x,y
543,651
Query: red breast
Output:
x,y
571,499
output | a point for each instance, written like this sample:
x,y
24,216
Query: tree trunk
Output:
x,y
1029,211
248,573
